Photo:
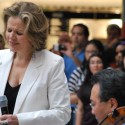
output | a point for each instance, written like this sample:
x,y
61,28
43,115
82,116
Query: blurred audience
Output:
x,y
83,115
113,34
117,51
78,75
63,39
74,54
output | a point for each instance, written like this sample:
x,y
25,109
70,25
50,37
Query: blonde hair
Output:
x,y
34,19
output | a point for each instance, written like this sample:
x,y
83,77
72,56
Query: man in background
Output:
x,y
74,54
113,34
108,97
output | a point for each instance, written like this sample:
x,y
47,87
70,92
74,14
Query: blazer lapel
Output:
x,y
31,75
4,71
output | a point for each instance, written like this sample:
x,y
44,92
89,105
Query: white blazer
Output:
x,y
43,97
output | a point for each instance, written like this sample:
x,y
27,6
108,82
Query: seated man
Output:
x,y
108,97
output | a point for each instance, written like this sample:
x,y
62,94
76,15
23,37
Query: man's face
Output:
x,y
78,38
99,109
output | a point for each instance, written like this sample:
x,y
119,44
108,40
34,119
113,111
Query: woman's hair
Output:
x,y
100,47
34,19
119,42
112,51
87,81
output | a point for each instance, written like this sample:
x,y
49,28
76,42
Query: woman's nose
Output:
x,y
12,35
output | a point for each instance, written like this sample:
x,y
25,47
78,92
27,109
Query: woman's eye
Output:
x,y
19,33
9,30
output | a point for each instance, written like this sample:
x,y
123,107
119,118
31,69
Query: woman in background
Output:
x,y
78,75
83,115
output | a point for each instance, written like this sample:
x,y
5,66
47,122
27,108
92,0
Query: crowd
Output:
x,y
79,77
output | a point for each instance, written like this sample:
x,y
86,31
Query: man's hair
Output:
x,y
84,27
114,27
112,85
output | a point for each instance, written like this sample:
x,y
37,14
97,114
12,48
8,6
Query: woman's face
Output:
x,y
16,37
118,56
95,64
89,50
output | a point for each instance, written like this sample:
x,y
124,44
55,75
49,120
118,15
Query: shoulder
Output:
x,y
5,52
48,57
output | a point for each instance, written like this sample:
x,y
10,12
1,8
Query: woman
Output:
x,y
83,116
77,77
31,77
115,53
118,48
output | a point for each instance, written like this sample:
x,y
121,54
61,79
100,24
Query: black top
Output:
x,y
84,95
11,94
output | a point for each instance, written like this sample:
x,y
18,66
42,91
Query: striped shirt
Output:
x,y
76,79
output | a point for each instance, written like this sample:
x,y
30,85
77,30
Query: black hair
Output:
x,y
114,27
112,85
86,86
112,52
98,44
84,27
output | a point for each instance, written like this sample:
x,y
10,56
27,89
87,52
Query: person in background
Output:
x,y
63,39
74,54
32,78
77,77
116,52
84,116
113,35
118,47
108,97
2,42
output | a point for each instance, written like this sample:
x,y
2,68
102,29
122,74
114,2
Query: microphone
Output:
x,y
4,105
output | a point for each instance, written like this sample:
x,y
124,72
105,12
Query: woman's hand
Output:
x,y
8,120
